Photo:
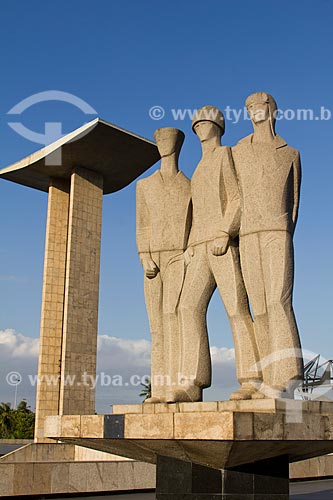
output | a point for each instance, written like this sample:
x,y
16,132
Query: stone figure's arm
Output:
x,y
142,221
231,205
297,187
143,234
188,223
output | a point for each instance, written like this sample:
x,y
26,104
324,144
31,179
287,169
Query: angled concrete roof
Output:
x,y
119,155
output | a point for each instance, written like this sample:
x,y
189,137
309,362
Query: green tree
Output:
x,y
146,391
23,407
24,422
5,420
16,424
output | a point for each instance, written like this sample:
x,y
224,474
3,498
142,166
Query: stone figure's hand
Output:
x,y
220,245
150,268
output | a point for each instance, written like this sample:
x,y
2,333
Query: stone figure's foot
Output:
x,y
184,394
258,395
267,392
154,400
175,396
246,391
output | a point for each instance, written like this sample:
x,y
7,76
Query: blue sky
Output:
x,y
124,58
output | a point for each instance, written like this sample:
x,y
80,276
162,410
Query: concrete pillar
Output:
x,y
79,345
69,320
51,328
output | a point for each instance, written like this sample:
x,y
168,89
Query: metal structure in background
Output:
x,y
317,374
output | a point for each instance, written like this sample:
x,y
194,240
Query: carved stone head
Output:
x,y
169,140
209,114
261,106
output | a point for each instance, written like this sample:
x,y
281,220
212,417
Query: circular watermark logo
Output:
x,y
156,113
13,378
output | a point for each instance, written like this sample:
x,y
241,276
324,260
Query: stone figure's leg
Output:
x,y
173,280
228,276
252,270
197,291
172,351
153,289
278,266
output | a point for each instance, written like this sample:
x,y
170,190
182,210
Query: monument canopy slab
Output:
x,y
119,155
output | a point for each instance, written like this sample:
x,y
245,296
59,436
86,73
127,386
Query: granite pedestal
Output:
x,y
251,441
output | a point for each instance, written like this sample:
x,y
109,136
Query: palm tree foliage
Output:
x,y
146,391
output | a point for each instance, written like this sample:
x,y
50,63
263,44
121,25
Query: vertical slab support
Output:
x,y
69,319
79,347
51,328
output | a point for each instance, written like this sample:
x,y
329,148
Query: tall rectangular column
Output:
x,y
51,328
69,319
79,346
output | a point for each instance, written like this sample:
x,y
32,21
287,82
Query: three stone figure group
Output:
x,y
230,227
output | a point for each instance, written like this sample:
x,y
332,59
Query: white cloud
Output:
x,y
116,352
116,357
17,345
222,355
19,354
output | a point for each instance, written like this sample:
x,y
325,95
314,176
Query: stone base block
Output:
x,y
216,434
57,452
64,478
45,469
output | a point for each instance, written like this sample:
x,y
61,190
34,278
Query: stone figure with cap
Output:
x,y
164,214
269,175
213,260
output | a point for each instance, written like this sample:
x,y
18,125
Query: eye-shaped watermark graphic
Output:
x,y
52,130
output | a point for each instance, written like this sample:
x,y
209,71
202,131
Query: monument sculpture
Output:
x,y
163,225
214,261
249,194
188,243
269,175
